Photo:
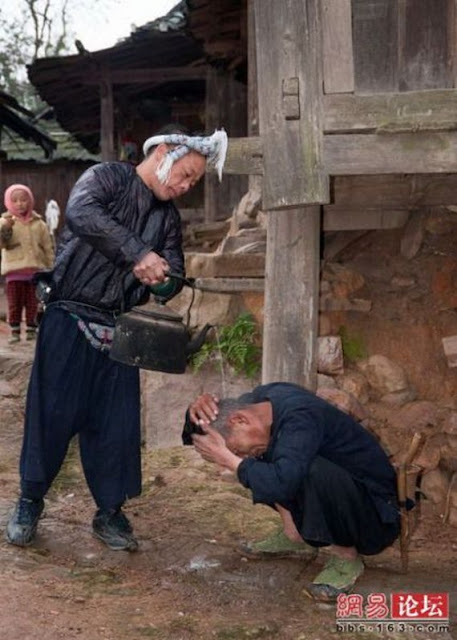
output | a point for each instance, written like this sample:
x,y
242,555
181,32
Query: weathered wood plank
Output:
x,y
415,110
341,218
288,37
291,297
337,46
230,285
425,52
395,190
397,153
375,38
225,265
244,156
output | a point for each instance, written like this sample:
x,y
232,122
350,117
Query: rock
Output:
x,y
344,401
219,265
355,383
452,495
343,281
428,457
325,382
7,389
402,282
449,453
330,355
435,485
417,416
214,308
450,350
399,398
450,424
330,303
325,325
383,375
441,222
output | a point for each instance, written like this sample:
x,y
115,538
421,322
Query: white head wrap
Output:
x,y
213,147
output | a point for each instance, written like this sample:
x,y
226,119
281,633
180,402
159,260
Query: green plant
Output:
x,y
236,344
353,345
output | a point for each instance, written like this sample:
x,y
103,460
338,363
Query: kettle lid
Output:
x,y
158,311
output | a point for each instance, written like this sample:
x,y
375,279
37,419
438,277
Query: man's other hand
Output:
x,y
203,409
151,269
212,447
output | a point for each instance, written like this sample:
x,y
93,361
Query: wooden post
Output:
x,y
225,107
291,297
289,75
106,118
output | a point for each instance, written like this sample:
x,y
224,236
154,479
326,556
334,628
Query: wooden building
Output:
x,y
357,107
345,108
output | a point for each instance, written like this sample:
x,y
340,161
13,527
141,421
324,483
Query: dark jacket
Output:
x,y
112,220
305,426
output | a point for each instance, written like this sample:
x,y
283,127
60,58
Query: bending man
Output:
x,y
328,477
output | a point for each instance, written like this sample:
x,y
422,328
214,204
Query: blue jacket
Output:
x,y
112,220
305,426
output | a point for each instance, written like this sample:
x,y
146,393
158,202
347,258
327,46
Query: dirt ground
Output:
x,y
189,580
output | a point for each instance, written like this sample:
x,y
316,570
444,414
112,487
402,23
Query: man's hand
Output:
x,y
151,269
204,409
212,447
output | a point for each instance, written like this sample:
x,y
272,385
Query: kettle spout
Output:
x,y
196,343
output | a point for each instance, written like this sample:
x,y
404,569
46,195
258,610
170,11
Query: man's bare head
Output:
x,y
245,426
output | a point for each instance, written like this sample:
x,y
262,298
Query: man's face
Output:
x,y
185,173
247,437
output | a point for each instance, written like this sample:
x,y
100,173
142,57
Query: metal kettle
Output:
x,y
157,338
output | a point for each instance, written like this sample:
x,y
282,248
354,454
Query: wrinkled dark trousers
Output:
x,y
334,509
77,389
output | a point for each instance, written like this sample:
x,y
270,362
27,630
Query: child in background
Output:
x,y
26,248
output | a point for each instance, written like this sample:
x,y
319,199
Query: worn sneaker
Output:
x,y
14,338
338,576
22,525
114,529
278,545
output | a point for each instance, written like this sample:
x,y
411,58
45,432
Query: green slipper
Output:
x,y
338,576
278,545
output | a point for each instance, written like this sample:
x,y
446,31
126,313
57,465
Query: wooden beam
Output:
x,y
244,157
395,191
397,153
289,58
348,218
157,75
391,112
291,297
365,154
337,46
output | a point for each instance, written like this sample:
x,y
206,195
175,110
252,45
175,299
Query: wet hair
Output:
x,y
227,406
167,130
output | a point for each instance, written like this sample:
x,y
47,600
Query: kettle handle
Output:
x,y
189,282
